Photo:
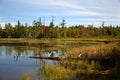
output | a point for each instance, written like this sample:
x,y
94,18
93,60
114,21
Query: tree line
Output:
x,y
39,30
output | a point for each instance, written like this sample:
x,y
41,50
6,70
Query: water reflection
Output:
x,y
14,62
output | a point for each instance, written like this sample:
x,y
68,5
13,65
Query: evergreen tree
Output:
x,y
63,23
52,23
8,30
0,31
38,30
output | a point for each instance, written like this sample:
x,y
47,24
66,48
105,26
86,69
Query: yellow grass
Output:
x,y
55,72
99,39
93,50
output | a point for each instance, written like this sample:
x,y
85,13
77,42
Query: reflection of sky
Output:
x,y
3,50
11,69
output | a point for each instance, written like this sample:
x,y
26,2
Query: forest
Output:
x,y
40,30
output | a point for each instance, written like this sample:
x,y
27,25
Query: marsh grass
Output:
x,y
54,72
102,50
49,40
96,60
99,62
26,77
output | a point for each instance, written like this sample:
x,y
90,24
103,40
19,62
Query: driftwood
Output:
x,y
55,58
50,58
71,58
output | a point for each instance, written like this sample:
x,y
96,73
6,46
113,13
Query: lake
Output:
x,y
15,63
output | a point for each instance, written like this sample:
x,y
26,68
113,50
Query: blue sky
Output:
x,y
75,12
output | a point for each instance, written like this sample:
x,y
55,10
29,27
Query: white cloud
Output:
x,y
82,7
107,10
3,24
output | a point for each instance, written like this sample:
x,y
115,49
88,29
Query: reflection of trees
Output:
x,y
16,56
31,49
35,49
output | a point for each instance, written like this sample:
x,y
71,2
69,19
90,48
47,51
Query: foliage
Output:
x,y
38,30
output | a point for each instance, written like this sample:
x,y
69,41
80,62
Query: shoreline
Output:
x,y
45,40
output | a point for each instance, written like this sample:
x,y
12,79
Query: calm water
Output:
x,y
14,61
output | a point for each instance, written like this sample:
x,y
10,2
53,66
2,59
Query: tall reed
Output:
x,y
101,50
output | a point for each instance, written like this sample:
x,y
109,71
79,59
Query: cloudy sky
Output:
x,y
75,12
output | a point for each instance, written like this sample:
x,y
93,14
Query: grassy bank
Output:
x,y
35,40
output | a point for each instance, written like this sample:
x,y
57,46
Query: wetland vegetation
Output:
x,y
100,60
99,48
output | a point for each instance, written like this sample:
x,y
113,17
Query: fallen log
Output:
x,y
55,58
71,58
41,57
